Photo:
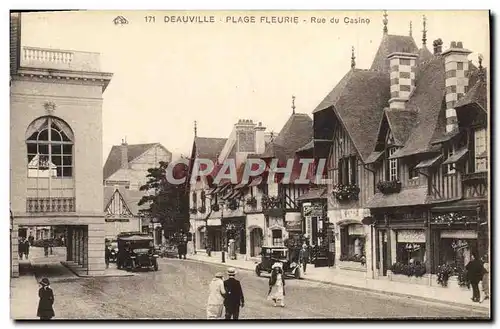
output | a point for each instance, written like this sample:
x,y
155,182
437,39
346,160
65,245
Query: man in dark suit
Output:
x,y
234,296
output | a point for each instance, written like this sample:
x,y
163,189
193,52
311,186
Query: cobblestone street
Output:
x,y
179,290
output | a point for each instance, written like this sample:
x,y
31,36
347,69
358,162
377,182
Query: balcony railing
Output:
x,y
50,205
60,59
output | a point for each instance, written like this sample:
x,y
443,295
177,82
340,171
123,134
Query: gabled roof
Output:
x,y
358,101
401,122
208,147
130,197
114,160
428,100
477,94
390,44
296,132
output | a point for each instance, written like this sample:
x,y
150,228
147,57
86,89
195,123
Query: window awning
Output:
x,y
241,185
429,162
457,156
374,157
315,193
255,182
224,197
212,190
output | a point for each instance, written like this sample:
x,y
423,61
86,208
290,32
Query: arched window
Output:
x,y
49,142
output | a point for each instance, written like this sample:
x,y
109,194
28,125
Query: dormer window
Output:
x,y
393,172
449,168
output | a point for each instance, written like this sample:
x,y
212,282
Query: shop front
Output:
x,y
214,234
255,234
234,235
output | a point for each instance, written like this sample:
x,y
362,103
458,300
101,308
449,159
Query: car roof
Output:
x,y
274,247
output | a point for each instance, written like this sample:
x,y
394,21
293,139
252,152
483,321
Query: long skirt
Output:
x,y
277,294
214,311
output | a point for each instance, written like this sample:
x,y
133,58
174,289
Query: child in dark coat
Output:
x,y
45,305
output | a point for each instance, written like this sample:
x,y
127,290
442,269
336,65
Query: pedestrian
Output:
x,y
46,248
234,296
31,239
277,285
475,273
486,278
216,294
26,248
107,254
304,257
45,305
20,248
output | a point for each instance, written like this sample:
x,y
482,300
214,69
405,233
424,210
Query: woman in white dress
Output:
x,y
216,292
277,285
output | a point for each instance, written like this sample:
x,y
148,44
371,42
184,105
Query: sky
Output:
x,y
167,75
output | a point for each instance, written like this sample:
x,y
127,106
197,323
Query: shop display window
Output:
x,y
456,252
407,253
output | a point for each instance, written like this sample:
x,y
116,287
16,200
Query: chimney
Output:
x,y
402,68
438,46
260,139
124,152
456,66
245,136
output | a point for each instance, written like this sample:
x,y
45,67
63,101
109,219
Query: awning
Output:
x,y
407,197
429,162
225,197
314,193
374,157
461,205
241,185
212,190
255,182
457,156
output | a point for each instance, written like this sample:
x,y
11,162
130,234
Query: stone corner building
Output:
x,y
56,120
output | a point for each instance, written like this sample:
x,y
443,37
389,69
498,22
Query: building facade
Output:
x,y
56,118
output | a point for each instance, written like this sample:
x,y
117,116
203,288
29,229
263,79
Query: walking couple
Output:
x,y
225,294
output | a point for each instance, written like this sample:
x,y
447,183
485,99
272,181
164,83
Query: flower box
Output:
x,y
202,210
388,187
233,204
348,192
215,207
193,211
252,202
422,280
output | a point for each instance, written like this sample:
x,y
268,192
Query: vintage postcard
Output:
x,y
250,165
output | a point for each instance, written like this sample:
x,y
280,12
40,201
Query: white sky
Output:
x,y
168,75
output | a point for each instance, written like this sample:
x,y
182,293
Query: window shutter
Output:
x,y
340,168
353,170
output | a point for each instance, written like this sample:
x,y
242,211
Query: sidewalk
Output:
x,y
24,294
357,280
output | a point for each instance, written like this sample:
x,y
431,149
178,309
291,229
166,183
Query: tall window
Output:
x,y
481,149
393,165
277,238
203,199
347,170
50,148
194,199
449,168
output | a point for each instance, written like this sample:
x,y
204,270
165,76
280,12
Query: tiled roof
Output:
x,y
296,132
358,101
390,44
113,163
423,55
131,198
401,122
476,94
209,148
428,100
407,197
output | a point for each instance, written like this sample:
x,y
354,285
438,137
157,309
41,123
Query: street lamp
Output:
x,y
223,231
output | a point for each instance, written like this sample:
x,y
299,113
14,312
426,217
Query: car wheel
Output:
x,y
257,270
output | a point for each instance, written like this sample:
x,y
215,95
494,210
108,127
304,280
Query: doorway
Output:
x,y
256,236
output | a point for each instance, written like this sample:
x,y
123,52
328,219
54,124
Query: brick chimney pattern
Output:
x,y
124,153
456,80
402,68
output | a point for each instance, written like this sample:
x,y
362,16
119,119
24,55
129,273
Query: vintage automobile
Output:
x,y
136,251
271,255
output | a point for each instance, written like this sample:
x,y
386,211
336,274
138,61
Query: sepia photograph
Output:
x,y
250,165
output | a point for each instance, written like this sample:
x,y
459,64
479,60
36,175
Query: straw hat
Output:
x,y
277,265
45,282
231,271
219,275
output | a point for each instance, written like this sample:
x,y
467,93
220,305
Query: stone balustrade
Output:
x,y
50,205
44,58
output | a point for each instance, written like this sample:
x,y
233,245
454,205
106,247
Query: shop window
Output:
x,y
347,170
456,252
407,253
277,237
480,150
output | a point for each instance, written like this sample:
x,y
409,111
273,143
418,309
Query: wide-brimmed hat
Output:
x,y
231,271
45,282
277,265
219,275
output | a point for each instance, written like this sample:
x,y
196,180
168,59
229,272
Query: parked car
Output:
x,y
136,251
271,255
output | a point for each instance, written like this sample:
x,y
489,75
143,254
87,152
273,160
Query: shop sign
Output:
x,y
458,234
313,210
275,221
308,226
356,229
459,244
214,222
294,224
355,213
411,236
412,246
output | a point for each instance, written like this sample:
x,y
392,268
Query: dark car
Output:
x,y
136,251
272,255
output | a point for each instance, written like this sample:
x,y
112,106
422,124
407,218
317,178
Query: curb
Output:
x,y
125,274
482,309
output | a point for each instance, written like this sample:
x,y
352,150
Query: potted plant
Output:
x,y
233,204
193,211
388,187
215,207
202,209
252,202
443,274
345,192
